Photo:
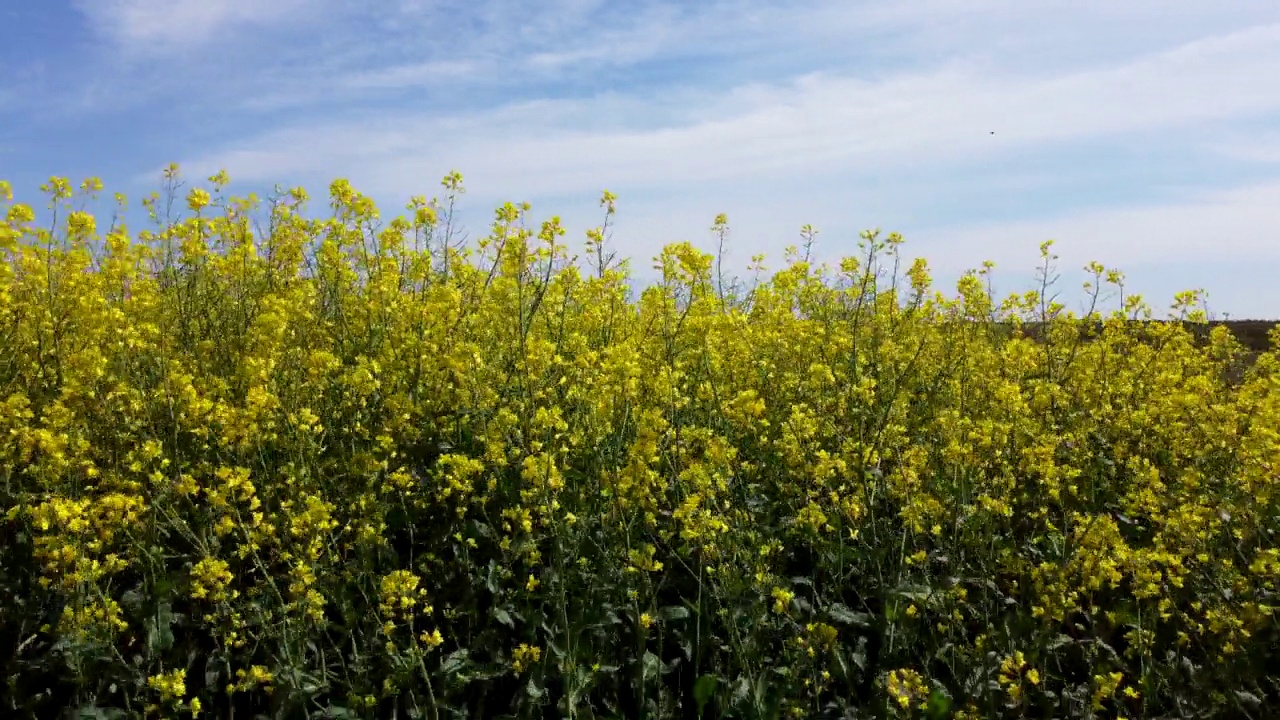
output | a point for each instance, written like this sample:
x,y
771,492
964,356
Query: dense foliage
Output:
x,y
333,468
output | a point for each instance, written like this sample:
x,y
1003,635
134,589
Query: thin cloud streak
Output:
x,y
818,123
161,26
1052,119
1241,224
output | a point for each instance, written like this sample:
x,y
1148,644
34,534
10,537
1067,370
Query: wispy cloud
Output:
x,y
162,26
1260,146
978,128
409,76
816,123
1241,224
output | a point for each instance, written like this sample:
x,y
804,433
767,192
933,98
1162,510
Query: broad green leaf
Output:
x,y
703,689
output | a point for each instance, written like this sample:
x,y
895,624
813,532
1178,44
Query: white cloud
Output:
x,y
817,124
1257,147
1236,225
784,113
410,75
154,26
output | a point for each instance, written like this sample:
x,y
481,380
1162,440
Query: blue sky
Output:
x,y
1142,134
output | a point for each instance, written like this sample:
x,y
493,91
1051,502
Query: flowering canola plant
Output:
x,y
353,467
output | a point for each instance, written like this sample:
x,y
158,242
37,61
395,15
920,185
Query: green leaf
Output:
x,y
859,656
703,689
1248,698
686,647
939,705
673,612
652,665
915,592
845,616
93,712
455,661
504,617
843,672
132,599
160,628
491,579
1060,641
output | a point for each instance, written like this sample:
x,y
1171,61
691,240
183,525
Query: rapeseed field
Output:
x,y
347,468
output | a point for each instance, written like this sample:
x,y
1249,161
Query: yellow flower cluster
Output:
x,y
274,448
906,687
171,686
524,656
1015,674
782,600
400,593
251,678
209,580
